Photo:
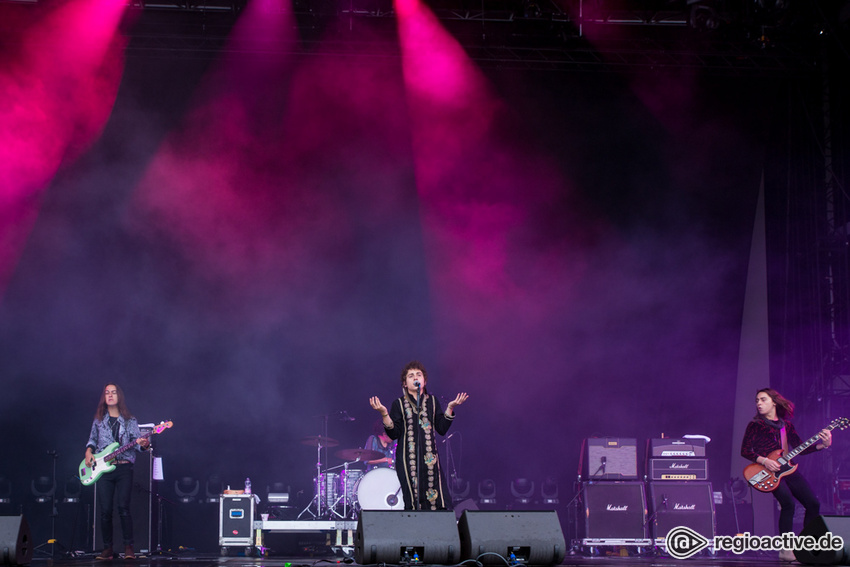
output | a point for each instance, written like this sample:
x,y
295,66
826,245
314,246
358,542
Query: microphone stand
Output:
x,y
53,513
419,436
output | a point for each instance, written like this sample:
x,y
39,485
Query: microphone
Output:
x,y
343,416
664,500
604,460
416,383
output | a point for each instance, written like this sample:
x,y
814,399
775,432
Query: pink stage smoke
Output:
x,y
58,85
483,195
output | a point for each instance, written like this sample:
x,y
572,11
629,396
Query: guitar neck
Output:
x,y
808,443
129,445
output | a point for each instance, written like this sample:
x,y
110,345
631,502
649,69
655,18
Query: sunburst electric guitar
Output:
x,y
762,479
103,461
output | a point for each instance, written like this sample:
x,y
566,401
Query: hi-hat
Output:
x,y
317,440
359,455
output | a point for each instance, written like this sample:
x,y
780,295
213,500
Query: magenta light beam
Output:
x,y
59,84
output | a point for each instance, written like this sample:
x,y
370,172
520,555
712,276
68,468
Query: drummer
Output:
x,y
379,441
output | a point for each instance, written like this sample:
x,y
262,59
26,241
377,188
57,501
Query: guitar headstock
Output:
x,y
839,423
162,426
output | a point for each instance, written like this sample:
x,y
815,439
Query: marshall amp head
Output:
x,y
678,469
678,448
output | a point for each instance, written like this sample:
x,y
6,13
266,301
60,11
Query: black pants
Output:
x,y
115,487
794,486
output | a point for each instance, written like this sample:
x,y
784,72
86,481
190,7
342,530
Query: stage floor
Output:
x,y
576,560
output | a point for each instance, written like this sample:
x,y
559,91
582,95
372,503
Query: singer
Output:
x,y
414,420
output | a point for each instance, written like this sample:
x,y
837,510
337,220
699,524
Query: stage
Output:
x,y
577,560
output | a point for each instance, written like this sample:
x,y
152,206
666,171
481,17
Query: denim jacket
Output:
x,y
101,436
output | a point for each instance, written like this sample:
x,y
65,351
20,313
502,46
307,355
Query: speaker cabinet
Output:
x,y
395,536
689,504
614,510
610,458
140,509
15,541
532,538
837,526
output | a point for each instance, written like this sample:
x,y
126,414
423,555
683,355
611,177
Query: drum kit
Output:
x,y
342,494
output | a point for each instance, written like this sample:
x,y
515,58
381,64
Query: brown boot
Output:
x,y
106,554
128,552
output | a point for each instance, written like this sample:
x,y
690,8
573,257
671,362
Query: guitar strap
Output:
x,y
783,438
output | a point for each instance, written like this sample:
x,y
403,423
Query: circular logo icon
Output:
x,y
683,542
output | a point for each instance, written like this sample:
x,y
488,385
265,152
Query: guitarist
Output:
x,y
113,422
763,436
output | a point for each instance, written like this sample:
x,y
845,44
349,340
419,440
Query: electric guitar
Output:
x,y
102,462
762,479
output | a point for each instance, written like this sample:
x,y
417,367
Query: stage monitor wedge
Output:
x,y
531,537
817,528
409,537
15,541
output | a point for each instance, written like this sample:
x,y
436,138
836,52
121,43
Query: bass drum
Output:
x,y
379,489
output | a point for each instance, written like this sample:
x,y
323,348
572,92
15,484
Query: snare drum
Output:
x,y
326,488
379,489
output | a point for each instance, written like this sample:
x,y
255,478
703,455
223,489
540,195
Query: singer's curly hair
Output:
x,y
413,365
784,406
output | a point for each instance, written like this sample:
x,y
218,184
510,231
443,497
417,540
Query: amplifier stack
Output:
x,y
677,459
620,509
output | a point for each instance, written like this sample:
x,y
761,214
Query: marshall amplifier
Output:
x,y
614,510
681,448
687,504
611,458
678,469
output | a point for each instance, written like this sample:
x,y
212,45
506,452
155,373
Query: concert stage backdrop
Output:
x,y
253,244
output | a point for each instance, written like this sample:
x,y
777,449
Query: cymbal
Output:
x,y
358,454
317,440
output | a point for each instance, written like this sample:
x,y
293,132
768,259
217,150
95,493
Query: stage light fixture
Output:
x,y
43,489
5,490
531,10
187,489
459,488
522,490
214,489
486,491
72,489
549,491
703,16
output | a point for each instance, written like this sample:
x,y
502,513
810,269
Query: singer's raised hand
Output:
x,y
376,404
462,397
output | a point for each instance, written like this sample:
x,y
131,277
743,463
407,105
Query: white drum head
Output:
x,y
379,489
